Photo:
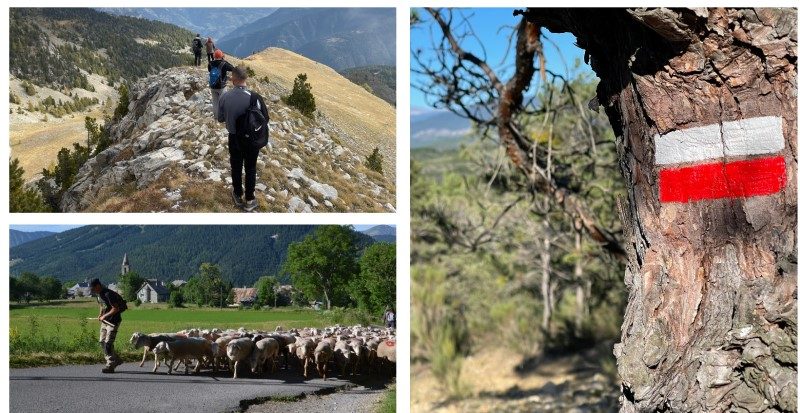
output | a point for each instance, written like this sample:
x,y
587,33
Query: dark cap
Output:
x,y
240,72
94,282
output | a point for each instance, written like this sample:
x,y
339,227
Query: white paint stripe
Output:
x,y
753,136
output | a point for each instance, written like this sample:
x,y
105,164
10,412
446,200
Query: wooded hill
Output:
x,y
52,46
380,80
167,252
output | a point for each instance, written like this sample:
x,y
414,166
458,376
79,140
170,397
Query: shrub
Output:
x,y
367,87
375,161
301,97
250,72
175,299
30,90
137,302
122,107
14,99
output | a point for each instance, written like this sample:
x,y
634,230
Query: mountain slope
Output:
x,y
215,22
243,252
169,154
341,38
382,233
368,121
21,237
381,79
60,47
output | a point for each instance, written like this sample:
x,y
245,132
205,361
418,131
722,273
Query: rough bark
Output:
x,y
711,320
547,303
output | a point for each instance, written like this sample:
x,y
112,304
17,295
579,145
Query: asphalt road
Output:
x,y
134,389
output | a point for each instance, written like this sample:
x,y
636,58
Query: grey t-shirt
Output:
x,y
232,104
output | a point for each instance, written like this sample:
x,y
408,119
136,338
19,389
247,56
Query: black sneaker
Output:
x,y
237,200
108,369
117,363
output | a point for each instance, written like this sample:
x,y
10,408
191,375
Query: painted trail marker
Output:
x,y
695,166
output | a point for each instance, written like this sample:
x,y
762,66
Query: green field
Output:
x,y
58,332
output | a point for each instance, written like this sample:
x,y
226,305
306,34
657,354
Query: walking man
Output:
x,y
218,78
197,49
389,317
233,104
210,49
111,307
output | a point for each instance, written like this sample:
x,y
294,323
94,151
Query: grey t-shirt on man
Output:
x,y
232,104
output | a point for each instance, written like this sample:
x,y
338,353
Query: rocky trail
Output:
x,y
170,155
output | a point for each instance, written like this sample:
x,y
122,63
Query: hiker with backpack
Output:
x,y
217,78
210,48
197,49
247,121
111,307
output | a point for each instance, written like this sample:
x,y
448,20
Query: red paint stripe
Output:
x,y
753,177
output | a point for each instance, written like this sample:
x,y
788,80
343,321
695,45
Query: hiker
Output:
x,y
389,317
197,48
210,49
241,109
218,77
111,307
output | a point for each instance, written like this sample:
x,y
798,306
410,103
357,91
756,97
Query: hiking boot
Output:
x,y
108,369
119,362
251,205
237,200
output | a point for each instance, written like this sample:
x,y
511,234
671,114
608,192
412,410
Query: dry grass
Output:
x,y
370,120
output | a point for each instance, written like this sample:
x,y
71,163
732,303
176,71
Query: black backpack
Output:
x,y
196,45
253,125
123,305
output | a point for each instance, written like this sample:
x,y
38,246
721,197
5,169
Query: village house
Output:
x,y
178,283
244,297
80,289
153,291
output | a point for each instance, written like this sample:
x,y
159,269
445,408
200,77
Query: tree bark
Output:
x,y
580,295
547,295
711,320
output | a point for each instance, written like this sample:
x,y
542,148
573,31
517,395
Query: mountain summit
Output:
x,y
169,154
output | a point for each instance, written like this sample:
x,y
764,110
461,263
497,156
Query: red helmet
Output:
x,y
218,54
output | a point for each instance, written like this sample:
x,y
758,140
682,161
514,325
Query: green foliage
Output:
x,y
13,98
122,107
265,289
374,288
30,90
58,108
35,57
68,163
129,284
301,97
208,288
375,161
322,264
20,197
98,136
137,302
250,72
30,286
175,299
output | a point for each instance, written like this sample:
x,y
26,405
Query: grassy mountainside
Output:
x,y
368,120
208,21
243,253
337,37
59,47
381,80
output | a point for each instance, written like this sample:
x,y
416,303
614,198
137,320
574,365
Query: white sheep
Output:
x,y
239,350
265,350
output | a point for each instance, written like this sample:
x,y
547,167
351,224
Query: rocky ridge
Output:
x,y
169,154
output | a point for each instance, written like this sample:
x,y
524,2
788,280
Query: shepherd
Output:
x,y
111,307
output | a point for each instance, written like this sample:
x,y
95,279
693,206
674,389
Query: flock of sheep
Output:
x,y
352,349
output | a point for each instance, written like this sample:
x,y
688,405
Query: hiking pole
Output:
x,y
102,321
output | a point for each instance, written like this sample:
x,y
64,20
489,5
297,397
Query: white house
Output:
x,y
153,291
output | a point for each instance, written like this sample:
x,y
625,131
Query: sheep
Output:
x,y
283,341
304,349
238,350
359,353
322,355
149,341
184,349
222,350
343,355
265,349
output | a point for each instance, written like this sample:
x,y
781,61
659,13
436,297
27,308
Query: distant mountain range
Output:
x,y
380,79
167,252
341,38
215,22
431,128
21,237
382,233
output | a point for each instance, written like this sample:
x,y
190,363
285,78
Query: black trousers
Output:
x,y
245,155
210,57
197,59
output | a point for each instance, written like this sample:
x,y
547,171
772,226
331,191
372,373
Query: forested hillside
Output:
x,y
21,237
243,253
57,47
378,80
208,21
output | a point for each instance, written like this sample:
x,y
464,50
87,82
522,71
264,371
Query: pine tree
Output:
x,y
302,98
21,198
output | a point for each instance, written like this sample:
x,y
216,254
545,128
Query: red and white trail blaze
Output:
x,y
735,159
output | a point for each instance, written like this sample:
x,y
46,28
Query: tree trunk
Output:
x,y
545,287
711,318
327,299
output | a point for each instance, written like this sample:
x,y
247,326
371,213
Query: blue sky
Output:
x,y
493,26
